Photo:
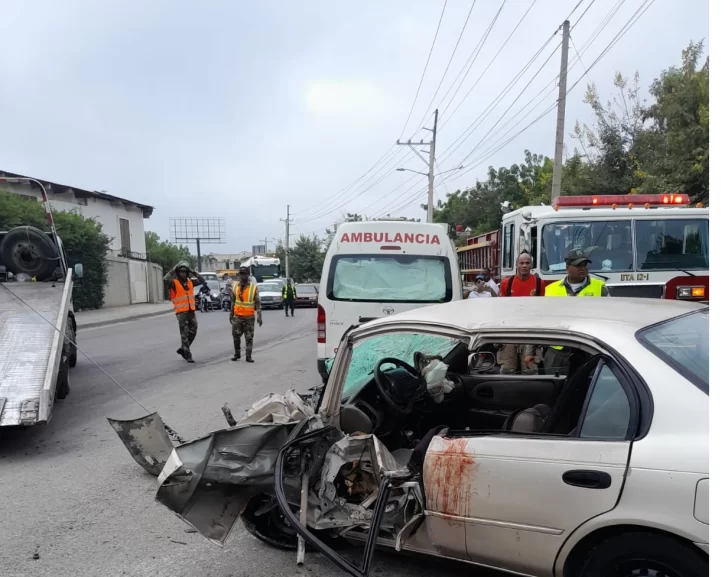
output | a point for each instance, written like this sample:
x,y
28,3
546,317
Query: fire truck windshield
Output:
x,y
661,244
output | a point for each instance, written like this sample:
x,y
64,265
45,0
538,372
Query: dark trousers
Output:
x,y
289,303
187,329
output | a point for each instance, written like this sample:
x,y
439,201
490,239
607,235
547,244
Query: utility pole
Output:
x,y
561,115
431,165
288,236
265,244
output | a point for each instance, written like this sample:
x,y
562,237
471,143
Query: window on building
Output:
x,y
125,236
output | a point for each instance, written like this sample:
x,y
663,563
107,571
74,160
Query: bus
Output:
x,y
263,268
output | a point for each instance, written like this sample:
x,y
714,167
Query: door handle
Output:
x,y
588,479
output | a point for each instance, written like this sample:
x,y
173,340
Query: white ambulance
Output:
x,y
382,267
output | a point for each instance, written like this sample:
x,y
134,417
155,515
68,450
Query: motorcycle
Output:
x,y
226,299
203,302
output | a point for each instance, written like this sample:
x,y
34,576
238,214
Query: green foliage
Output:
x,y
83,241
307,259
166,254
479,207
631,146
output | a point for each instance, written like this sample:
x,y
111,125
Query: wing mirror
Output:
x,y
78,270
481,362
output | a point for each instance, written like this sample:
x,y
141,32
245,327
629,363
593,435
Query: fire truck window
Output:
x,y
608,243
669,244
534,244
508,246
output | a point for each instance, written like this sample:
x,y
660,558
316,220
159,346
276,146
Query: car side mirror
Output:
x,y
484,361
78,270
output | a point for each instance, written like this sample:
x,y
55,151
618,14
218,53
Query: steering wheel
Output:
x,y
387,390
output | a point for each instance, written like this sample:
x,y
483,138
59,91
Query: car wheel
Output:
x,y
273,528
73,351
644,554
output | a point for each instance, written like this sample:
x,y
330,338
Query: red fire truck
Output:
x,y
650,246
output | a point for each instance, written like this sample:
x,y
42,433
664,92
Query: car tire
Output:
x,y
637,553
273,529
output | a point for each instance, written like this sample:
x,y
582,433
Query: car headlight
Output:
x,y
215,295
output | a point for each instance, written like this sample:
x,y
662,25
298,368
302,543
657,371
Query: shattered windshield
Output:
x,y
402,346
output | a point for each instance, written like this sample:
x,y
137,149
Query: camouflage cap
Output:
x,y
576,257
183,264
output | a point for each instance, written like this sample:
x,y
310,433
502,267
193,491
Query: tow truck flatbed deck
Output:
x,y
30,348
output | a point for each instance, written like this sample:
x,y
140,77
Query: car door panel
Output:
x,y
510,494
507,393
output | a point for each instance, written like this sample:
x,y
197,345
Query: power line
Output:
x,y
425,70
503,143
625,28
473,56
487,67
349,186
444,74
503,94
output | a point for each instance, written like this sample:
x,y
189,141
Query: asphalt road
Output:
x,y
74,503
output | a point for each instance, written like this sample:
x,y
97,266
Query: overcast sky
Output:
x,y
234,109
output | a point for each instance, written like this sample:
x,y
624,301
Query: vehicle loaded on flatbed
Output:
x,y
37,325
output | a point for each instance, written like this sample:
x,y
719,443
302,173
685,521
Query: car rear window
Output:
x,y
683,343
305,289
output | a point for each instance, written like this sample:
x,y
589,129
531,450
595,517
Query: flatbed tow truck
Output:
x,y
37,324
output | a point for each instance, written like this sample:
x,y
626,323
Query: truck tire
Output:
x,y
63,383
73,352
26,249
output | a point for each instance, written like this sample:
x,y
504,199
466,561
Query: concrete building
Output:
x,y
219,261
131,279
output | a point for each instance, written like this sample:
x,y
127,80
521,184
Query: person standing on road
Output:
x,y
522,284
182,295
485,286
577,283
246,306
289,297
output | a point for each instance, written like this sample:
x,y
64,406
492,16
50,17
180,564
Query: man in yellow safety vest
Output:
x,y
246,306
577,283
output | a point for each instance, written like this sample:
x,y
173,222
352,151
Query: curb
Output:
x,y
116,321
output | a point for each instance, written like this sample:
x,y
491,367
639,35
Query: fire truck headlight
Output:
x,y
690,292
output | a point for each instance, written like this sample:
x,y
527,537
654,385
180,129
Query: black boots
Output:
x,y
249,359
236,356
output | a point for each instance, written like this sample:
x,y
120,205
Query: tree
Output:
x,y
307,259
680,116
166,254
83,240
479,207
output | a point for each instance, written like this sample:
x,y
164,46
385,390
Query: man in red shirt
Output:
x,y
522,284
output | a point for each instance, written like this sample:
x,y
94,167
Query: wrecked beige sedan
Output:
x,y
418,443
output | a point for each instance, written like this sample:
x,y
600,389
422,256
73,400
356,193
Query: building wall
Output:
x,y
103,211
131,282
116,291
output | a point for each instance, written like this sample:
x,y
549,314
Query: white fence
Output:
x,y
131,282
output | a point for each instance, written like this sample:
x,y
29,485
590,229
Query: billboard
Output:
x,y
258,250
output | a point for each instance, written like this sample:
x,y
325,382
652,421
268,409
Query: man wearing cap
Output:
x,y
577,283
182,295
485,286
246,306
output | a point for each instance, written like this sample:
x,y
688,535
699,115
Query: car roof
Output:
x,y
585,315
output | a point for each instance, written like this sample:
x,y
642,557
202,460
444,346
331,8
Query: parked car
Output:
x,y
306,295
270,295
597,469
208,276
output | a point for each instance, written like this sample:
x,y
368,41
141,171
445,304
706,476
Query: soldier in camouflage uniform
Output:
x,y
178,279
246,307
